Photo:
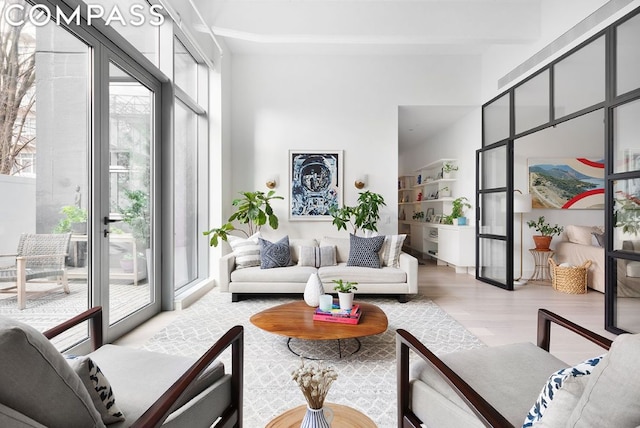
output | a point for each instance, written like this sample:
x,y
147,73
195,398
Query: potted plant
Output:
x,y
546,232
458,207
627,214
345,291
444,192
447,169
253,209
363,216
74,220
418,216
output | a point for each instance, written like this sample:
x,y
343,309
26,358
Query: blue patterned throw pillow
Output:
x,y
554,384
274,254
364,251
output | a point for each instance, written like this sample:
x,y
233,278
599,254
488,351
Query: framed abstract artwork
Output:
x,y
316,183
567,183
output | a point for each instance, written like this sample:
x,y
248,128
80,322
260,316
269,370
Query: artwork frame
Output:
x,y
429,214
567,183
315,184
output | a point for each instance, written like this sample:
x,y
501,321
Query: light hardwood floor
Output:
x,y
494,315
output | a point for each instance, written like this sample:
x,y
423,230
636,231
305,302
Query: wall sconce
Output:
x,y
521,204
361,181
272,182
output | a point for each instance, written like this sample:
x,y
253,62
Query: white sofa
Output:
x,y
576,246
401,281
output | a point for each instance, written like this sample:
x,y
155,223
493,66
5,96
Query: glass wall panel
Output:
x,y
185,195
532,103
496,120
185,70
493,260
626,153
628,56
628,292
579,79
494,168
44,181
493,208
626,213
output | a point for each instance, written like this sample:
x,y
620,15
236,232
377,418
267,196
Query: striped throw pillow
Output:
x,y
391,249
246,251
317,256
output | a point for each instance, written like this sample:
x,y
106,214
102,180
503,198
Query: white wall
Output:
x,y
334,102
18,212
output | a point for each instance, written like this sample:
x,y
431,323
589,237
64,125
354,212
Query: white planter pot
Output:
x,y
346,300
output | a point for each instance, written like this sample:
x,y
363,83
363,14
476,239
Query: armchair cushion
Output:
x,y
62,399
11,418
612,395
98,386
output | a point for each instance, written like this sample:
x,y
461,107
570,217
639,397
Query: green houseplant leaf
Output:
x,y
364,215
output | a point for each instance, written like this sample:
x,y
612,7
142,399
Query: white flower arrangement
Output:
x,y
314,381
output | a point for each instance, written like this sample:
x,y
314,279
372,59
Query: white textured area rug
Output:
x,y
366,379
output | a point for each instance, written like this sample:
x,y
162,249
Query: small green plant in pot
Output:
x,y
345,291
74,220
458,207
546,232
418,216
447,169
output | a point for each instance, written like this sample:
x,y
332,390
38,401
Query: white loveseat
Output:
x,y
401,281
577,245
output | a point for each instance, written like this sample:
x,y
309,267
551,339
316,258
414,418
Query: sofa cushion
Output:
x,y
612,396
556,383
364,251
391,249
581,234
274,254
33,367
11,418
298,274
296,243
98,386
246,251
342,247
508,377
559,410
362,275
317,256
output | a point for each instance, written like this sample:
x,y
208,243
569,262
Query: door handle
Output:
x,y
108,220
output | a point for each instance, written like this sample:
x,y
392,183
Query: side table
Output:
x,y
541,260
343,417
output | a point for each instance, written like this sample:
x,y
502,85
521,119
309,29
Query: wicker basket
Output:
x,y
571,280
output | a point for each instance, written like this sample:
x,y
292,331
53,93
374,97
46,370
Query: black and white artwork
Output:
x,y
316,183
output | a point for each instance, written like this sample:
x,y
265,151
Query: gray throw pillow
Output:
x,y
364,251
274,254
317,256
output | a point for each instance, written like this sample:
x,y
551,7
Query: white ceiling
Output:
x,y
383,27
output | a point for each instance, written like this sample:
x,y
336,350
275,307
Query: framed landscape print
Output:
x,y
567,183
315,183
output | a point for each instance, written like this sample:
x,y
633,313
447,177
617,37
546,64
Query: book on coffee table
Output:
x,y
338,315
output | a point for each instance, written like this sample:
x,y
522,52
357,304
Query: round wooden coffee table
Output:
x,y
343,417
295,320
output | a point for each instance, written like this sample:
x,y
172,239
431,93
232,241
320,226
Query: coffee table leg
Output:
x,y
339,349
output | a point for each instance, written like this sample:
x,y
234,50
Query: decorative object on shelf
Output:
x,y
313,290
363,216
345,291
419,196
568,183
315,184
447,169
253,209
521,204
419,179
543,241
418,216
429,214
444,192
403,215
314,380
458,207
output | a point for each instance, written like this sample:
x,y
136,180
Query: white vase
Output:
x,y
313,290
346,300
317,418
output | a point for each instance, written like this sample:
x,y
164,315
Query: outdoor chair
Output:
x,y
116,386
39,256
512,385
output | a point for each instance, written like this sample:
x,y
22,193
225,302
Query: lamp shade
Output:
x,y
521,202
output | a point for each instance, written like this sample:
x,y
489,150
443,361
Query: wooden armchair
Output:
x,y
39,255
39,388
493,387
